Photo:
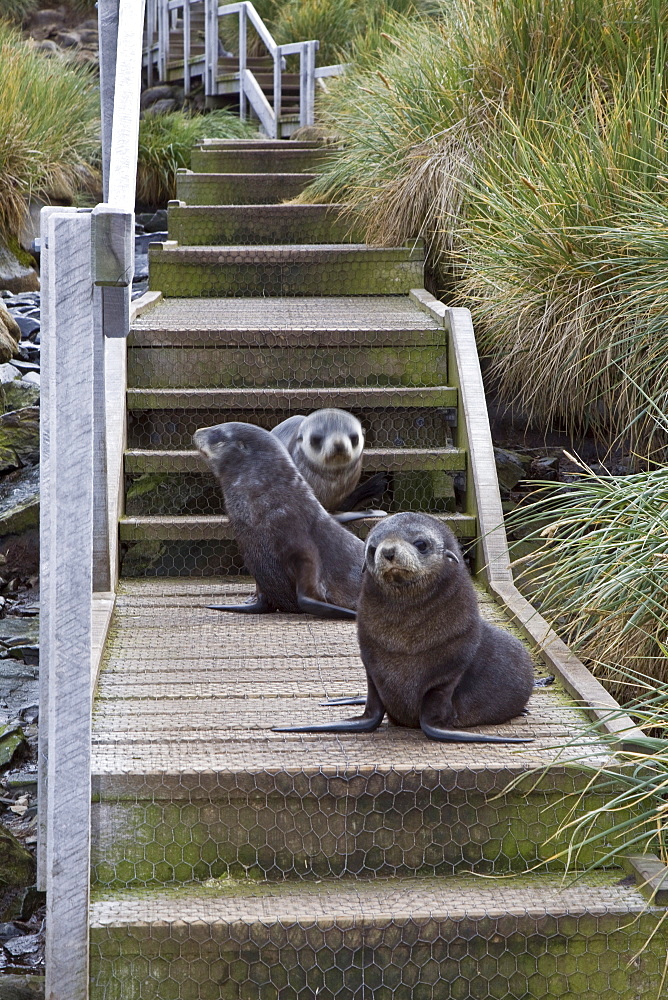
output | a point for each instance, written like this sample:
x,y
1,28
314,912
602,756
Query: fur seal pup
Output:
x,y
302,560
431,661
326,446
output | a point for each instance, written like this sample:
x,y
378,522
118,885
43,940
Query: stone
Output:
x,y
26,325
11,323
88,36
68,39
8,373
46,16
12,739
163,107
16,272
31,378
47,47
153,94
19,438
19,502
26,944
26,987
511,467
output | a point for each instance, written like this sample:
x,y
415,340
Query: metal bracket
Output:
x,y
113,258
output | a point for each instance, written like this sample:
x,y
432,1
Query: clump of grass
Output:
x,y
600,576
166,142
16,10
49,128
336,24
519,138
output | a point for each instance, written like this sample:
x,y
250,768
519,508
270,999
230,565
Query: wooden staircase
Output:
x,y
230,861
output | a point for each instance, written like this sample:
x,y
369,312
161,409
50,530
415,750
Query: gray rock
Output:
x,y
32,378
26,325
15,276
19,685
19,502
23,945
19,438
47,47
88,36
46,16
26,987
68,39
20,393
153,94
164,107
511,467
8,373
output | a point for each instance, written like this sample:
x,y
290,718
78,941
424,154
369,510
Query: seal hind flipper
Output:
x,y
369,721
257,605
461,736
372,489
357,515
343,701
320,609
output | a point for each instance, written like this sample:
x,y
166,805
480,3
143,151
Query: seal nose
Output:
x,y
389,553
339,447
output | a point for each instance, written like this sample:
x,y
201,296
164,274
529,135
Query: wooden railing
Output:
x,y
87,259
165,17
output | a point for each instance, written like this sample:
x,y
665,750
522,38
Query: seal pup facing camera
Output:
x,y
327,446
302,560
432,662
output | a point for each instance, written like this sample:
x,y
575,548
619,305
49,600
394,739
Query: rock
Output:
x,y
26,325
68,39
19,685
16,271
546,468
12,739
8,373
88,36
19,502
26,987
162,107
510,467
20,393
23,945
153,94
47,47
11,323
31,378
19,438
46,16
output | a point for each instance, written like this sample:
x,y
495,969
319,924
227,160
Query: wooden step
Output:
x,y
285,400
258,143
239,189
259,161
180,528
390,939
179,482
315,269
230,225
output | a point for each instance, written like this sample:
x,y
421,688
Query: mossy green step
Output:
x,y
239,189
209,528
291,399
230,225
282,160
215,366
394,939
313,269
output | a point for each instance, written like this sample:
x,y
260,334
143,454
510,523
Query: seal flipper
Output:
x,y
258,605
343,701
372,489
369,721
357,515
319,609
461,736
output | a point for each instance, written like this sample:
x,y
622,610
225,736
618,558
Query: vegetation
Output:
x,y
166,142
521,138
49,128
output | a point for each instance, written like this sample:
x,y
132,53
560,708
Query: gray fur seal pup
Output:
x,y
302,560
431,661
327,446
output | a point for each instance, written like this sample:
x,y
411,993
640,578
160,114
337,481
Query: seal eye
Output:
x,y
421,545
354,440
316,441
371,554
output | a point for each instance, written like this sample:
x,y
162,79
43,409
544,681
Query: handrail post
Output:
x,y
307,83
163,39
186,47
243,40
211,48
67,494
150,39
278,87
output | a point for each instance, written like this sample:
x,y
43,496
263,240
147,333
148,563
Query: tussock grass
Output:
x,y
166,142
49,128
601,573
526,141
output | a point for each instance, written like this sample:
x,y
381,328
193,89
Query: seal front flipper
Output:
x,y
258,605
357,515
369,721
461,736
319,609
372,489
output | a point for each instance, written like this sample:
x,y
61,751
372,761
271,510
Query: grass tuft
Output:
x,y
166,142
49,128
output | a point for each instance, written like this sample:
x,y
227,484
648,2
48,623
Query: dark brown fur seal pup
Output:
x,y
326,446
431,660
302,560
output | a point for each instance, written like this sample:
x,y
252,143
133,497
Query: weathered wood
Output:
x,y
107,19
67,599
124,148
651,875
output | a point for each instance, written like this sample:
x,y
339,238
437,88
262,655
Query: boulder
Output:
x,y
153,94
163,107
19,501
17,865
16,271
19,438
511,467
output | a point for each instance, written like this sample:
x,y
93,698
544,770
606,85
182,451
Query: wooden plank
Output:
x,y
651,875
68,494
160,399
